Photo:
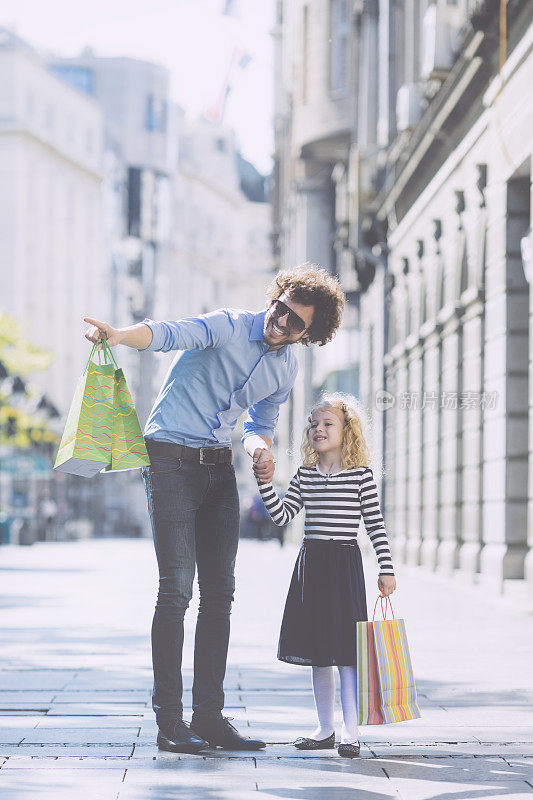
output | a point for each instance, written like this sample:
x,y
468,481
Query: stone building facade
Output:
x,y
432,217
51,245
455,204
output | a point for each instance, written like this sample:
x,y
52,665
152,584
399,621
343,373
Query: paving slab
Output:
x,y
79,783
439,750
44,763
491,768
98,710
17,679
16,723
84,723
103,696
8,697
209,778
84,736
61,750
420,789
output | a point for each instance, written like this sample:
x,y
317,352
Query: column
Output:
x,y
450,475
472,438
414,471
431,416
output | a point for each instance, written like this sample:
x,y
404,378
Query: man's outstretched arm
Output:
x,y
138,336
213,329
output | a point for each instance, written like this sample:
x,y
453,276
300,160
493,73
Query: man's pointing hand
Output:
x,y
102,330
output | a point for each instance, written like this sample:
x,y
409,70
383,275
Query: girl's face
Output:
x,y
326,431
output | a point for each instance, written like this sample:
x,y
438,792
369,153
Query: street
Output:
x,y
75,680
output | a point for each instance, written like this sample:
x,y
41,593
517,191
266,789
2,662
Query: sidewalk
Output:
x,y
75,680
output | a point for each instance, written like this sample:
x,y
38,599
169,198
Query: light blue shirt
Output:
x,y
224,370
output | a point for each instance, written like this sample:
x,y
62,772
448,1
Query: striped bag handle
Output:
x,y
383,611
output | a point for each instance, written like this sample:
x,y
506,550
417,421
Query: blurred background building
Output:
x,y
314,117
403,163
114,205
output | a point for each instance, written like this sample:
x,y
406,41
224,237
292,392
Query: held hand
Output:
x,y
264,463
101,330
386,584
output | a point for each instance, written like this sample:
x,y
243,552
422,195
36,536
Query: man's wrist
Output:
x,y
254,442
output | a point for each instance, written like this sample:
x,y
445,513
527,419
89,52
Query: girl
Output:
x,y
327,591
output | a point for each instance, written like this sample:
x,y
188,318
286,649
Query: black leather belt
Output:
x,y
202,455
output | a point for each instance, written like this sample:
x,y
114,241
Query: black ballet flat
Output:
x,y
349,750
303,743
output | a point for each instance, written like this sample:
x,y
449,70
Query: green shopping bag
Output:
x,y
85,446
128,450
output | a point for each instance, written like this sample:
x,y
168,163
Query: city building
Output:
x,y
434,195
52,255
452,190
138,126
52,265
314,117
220,248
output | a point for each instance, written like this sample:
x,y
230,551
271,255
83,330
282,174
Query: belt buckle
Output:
x,y
202,457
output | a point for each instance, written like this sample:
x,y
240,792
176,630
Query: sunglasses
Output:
x,y
294,323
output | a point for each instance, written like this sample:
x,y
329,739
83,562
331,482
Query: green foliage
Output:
x,y
19,356
20,426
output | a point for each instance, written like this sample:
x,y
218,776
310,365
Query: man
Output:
x,y
233,361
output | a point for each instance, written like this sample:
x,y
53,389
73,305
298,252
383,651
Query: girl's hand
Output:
x,y
263,465
386,584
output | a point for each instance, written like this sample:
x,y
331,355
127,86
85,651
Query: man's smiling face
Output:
x,y
286,322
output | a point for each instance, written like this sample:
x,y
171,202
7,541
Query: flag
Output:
x,y
232,8
239,61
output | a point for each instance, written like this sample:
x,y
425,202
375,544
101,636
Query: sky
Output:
x,y
194,39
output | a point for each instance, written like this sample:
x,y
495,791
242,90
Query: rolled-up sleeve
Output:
x,y
191,333
263,416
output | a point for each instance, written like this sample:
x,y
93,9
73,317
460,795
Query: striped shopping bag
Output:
x,y
385,683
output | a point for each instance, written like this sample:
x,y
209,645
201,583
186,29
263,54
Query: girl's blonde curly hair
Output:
x,y
355,451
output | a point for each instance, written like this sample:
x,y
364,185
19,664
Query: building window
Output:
x,y
339,30
305,52
49,118
81,78
30,102
70,129
156,114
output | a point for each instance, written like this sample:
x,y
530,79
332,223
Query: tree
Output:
x,y
22,424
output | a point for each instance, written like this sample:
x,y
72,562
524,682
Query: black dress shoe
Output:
x,y
304,743
349,750
219,732
179,738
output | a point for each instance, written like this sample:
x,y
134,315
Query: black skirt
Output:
x,y
326,598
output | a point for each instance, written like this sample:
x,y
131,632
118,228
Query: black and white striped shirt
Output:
x,y
333,506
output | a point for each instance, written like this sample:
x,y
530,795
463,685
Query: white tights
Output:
x,y
324,692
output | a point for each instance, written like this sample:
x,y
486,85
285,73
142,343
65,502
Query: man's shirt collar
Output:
x,y
258,324
257,330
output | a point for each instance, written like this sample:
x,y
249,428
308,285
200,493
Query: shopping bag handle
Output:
x,y
108,355
108,352
383,612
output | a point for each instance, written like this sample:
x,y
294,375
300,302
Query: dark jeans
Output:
x,y
194,511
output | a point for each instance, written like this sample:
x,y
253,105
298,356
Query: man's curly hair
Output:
x,y
312,286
